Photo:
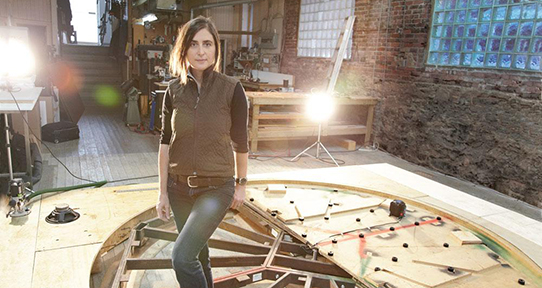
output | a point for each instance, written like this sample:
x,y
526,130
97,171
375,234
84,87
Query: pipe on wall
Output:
x,y
221,4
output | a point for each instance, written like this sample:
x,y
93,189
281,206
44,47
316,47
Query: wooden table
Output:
x,y
260,101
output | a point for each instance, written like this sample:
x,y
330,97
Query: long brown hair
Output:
x,y
178,62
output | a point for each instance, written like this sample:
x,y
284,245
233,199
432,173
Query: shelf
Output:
x,y
274,117
282,132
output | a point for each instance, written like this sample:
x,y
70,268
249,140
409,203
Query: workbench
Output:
x,y
275,106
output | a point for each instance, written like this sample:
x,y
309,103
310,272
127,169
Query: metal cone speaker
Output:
x,y
62,214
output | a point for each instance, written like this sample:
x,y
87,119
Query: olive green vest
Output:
x,y
200,140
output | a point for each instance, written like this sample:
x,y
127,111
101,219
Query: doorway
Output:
x,y
85,21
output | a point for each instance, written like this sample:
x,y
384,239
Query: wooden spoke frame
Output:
x,y
282,258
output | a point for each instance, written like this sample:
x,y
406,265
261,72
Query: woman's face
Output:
x,y
202,50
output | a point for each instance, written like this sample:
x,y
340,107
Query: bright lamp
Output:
x,y
320,107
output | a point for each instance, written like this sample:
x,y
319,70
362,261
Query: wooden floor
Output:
x,y
108,150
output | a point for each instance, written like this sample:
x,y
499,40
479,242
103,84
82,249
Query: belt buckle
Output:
x,y
188,181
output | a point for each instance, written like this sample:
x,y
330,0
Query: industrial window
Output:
x,y
504,34
320,24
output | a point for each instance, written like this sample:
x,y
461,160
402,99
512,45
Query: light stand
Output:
x,y
8,145
320,109
318,144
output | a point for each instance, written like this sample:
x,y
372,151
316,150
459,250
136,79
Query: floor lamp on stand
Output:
x,y
319,109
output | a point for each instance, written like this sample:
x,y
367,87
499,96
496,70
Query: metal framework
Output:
x,y
282,258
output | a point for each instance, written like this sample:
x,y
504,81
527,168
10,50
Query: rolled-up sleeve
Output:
x,y
239,120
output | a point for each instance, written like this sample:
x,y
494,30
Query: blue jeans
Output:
x,y
197,213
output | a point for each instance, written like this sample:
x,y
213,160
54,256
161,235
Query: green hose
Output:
x,y
67,188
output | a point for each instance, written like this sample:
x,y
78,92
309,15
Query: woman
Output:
x,y
203,145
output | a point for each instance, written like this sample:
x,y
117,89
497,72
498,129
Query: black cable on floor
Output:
x,y
56,158
52,154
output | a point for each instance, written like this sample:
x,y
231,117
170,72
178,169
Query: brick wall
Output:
x,y
482,125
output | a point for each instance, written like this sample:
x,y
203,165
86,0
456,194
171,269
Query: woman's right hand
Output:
x,y
162,207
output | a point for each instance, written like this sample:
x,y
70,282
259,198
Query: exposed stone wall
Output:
x,y
483,125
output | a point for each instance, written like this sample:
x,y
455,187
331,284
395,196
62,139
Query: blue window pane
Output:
x,y
447,31
440,4
478,60
538,30
467,59
497,28
446,45
526,29
508,45
529,11
499,13
459,31
483,30
469,45
457,44
511,29
514,12
471,31
460,16
450,17
534,62
537,46
494,45
440,17
435,44
456,57
437,31
523,45
481,45
475,3
491,60
520,61
507,30
506,61
473,16
486,14
433,58
444,58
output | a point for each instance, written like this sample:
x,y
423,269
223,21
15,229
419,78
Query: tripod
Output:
x,y
318,144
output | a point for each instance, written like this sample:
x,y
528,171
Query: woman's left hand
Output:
x,y
238,197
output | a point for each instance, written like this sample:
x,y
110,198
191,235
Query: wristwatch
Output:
x,y
241,181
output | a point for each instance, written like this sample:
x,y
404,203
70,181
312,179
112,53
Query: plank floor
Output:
x,y
108,150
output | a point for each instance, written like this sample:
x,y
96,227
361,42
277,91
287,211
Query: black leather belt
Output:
x,y
200,181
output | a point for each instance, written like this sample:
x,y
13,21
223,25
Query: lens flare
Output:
x,y
107,96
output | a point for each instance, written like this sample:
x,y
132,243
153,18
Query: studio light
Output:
x,y
319,108
16,58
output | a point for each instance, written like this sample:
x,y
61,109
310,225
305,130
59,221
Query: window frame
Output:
x,y
491,23
348,54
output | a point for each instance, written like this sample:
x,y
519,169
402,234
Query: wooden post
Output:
x,y
369,125
255,123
